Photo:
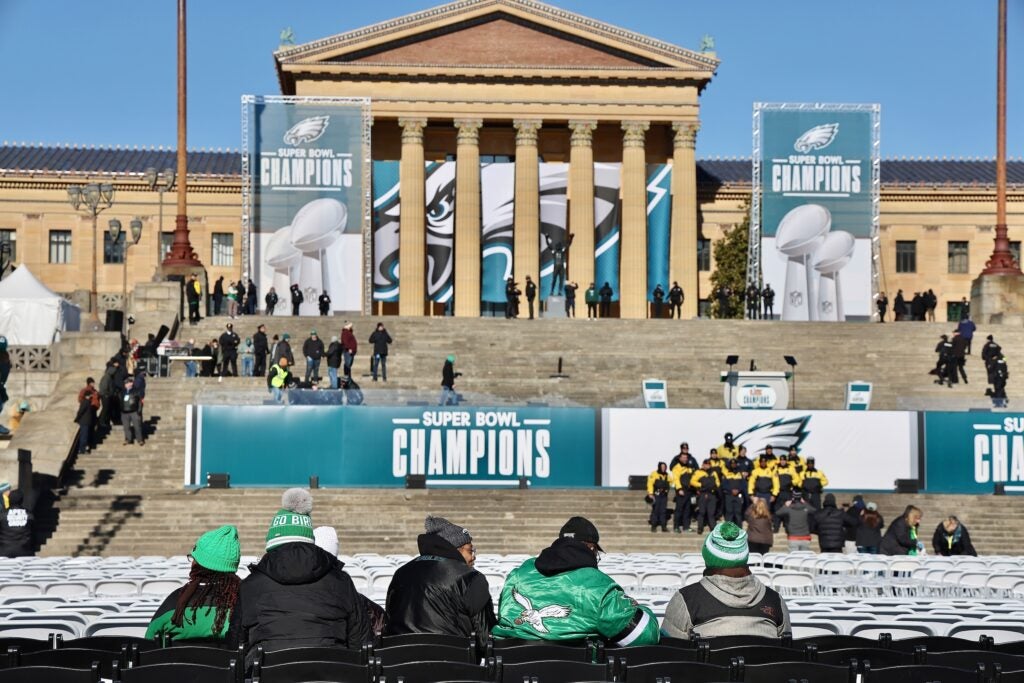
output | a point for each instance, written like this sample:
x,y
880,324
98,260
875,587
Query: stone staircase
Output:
x,y
131,500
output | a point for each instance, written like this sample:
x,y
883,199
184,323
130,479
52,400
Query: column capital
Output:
x,y
526,131
412,130
686,134
635,133
582,133
469,130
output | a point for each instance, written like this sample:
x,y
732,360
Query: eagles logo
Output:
x,y
818,137
307,130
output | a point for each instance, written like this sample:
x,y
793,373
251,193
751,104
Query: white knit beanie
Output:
x,y
327,538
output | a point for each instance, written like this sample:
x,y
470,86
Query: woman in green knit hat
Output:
x,y
199,611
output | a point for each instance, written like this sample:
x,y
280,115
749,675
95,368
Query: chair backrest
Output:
x,y
68,589
116,587
18,589
878,656
424,639
38,629
557,671
179,673
897,629
626,580
542,651
159,586
50,674
401,654
648,654
810,672
917,673
756,654
118,626
1000,631
662,580
188,654
690,672
430,672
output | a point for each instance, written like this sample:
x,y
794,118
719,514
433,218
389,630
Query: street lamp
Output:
x,y
135,228
162,182
93,198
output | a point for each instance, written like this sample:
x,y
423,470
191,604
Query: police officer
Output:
x,y
813,482
794,458
989,352
659,483
657,297
684,456
705,483
683,468
733,486
753,301
942,366
718,467
675,301
762,482
769,456
1000,373
324,303
531,294
768,296
728,450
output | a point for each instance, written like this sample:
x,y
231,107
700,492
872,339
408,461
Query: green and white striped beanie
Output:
x,y
726,547
292,524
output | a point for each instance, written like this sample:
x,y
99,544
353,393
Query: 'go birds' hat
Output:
x,y
292,523
725,547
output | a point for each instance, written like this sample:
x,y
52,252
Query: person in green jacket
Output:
x,y
591,297
200,611
562,595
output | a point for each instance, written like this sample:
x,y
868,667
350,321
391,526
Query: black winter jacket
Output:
x,y
298,595
439,593
16,539
828,523
897,539
334,355
259,344
313,348
380,340
960,545
866,536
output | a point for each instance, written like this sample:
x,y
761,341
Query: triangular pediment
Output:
x,y
498,33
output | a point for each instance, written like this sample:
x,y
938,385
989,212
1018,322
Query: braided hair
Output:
x,y
203,583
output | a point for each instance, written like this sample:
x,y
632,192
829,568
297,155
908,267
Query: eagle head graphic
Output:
x,y
306,130
818,137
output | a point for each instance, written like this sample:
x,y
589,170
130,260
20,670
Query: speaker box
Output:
x,y
218,480
907,486
415,481
638,482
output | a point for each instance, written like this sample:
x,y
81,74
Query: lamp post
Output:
x,y
162,182
94,198
135,231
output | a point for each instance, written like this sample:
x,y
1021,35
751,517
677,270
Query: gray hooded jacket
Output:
x,y
741,593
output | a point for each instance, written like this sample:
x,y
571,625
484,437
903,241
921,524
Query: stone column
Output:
x,y
526,236
633,263
467,219
581,202
683,261
412,231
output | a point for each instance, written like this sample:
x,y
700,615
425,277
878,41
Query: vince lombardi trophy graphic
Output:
x,y
832,256
800,233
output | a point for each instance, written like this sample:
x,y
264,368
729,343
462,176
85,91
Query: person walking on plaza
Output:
x,y
334,353
606,300
448,375
260,350
798,518
251,298
729,599
324,303
298,595
510,299
882,304
229,343
1000,374
675,301
313,350
989,352
959,358
109,392
899,306
131,415
828,525
199,613
562,595
930,302
271,301
439,591
193,294
705,484
239,298
951,538
591,298
768,299
659,483
753,301
232,297
218,294
297,299
570,299
531,294
88,405
381,340
902,536
759,527
349,347
966,328
657,297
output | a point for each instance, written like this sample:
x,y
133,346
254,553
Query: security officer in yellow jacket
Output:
x,y
659,483
682,472
733,487
813,482
770,457
705,483
728,450
762,482
794,457
718,467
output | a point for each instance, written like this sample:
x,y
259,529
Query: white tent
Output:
x,y
30,314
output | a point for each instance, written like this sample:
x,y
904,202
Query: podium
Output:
x,y
755,390
555,307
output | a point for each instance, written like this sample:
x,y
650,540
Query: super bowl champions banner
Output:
x,y
972,452
497,213
607,225
553,189
369,446
440,214
819,207
303,175
387,211
857,450
659,219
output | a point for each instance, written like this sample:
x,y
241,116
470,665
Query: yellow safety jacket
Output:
x,y
655,476
277,381
763,480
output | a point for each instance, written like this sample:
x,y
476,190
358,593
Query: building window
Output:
x,y
906,256
9,237
958,257
113,252
703,255
1015,250
60,246
223,249
166,240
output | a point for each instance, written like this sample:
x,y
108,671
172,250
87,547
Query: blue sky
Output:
x,y
103,72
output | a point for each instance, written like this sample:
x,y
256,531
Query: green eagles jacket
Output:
x,y
197,622
562,596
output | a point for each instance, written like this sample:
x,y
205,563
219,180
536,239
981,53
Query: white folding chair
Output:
x,y
793,583
898,629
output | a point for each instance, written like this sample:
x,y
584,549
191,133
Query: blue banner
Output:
x,y
607,225
370,446
971,452
497,212
659,219
386,218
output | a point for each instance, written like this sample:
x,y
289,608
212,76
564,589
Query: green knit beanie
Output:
x,y
218,550
292,524
725,547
